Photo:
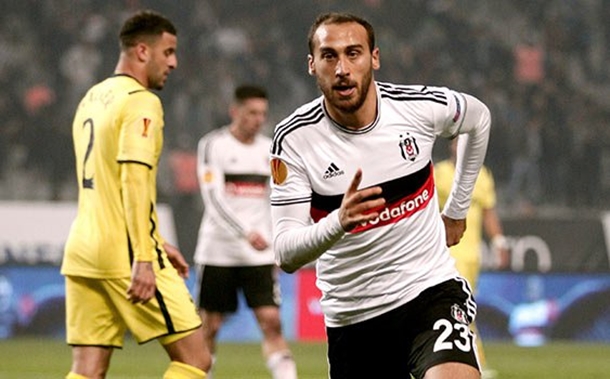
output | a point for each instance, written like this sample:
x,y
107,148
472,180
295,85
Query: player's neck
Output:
x,y
359,118
245,138
127,67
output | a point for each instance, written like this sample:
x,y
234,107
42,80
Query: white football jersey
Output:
x,y
387,262
234,182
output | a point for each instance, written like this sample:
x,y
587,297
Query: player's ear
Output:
x,y
142,51
310,67
375,58
232,110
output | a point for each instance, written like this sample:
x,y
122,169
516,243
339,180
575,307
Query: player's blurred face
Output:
x,y
343,64
250,116
162,60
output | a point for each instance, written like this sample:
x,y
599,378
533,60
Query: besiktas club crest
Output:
x,y
408,147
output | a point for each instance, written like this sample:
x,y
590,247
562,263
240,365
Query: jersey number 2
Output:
x,y
88,181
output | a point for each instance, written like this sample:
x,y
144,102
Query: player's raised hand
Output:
x,y
357,205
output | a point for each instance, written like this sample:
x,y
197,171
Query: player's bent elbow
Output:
x,y
285,265
289,269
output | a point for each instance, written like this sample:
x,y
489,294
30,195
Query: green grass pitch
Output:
x,y
29,358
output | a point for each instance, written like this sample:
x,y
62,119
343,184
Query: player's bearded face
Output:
x,y
163,61
343,64
346,94
156,77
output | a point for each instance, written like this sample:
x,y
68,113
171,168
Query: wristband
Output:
x,y
499,242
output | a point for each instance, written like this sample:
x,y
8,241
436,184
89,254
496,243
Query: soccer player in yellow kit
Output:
x,y
482,216
119,272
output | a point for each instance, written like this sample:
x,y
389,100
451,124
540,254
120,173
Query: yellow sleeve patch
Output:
x,y
208,176
279,171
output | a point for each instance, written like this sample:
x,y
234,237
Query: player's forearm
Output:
x,y
212,187
470,156
136,203
220,211
298,243
491,223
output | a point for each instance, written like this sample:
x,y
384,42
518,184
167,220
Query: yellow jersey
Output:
x,y
483,197
117,121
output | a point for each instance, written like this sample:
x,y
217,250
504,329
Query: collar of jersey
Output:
x,y
366,129
123,75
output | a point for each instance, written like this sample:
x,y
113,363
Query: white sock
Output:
x,y
282,366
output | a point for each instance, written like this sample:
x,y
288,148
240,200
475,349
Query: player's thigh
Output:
x,y
454,370
91,317
217,288
444,335
260,285
368,349
170,312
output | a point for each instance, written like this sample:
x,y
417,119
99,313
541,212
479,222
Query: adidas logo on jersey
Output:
x,y
332,171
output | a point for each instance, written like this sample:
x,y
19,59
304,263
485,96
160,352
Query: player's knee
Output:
x,y
211,326
271,327
87,372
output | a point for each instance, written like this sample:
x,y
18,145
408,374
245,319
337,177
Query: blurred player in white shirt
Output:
x,y
234,250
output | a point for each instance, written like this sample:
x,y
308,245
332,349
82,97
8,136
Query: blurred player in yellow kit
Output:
x,y
482,217
119,272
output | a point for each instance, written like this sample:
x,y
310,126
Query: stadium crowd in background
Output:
x,y
540,66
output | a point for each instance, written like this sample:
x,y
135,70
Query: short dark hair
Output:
x,y
340,18
249,91
143,25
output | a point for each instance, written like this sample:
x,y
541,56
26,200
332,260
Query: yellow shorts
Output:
x,y
99,313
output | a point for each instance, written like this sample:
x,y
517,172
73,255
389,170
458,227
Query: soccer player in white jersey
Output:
x,y
233,251
353,190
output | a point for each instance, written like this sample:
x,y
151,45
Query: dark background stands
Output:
x,y
540,66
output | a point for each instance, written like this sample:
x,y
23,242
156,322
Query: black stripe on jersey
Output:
x,y
129,248
137,162
410,89
153,227
246,178
165,312
127,76
391,191
156,246
311,117
405,93
208,143
224,213
136,91
299,200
